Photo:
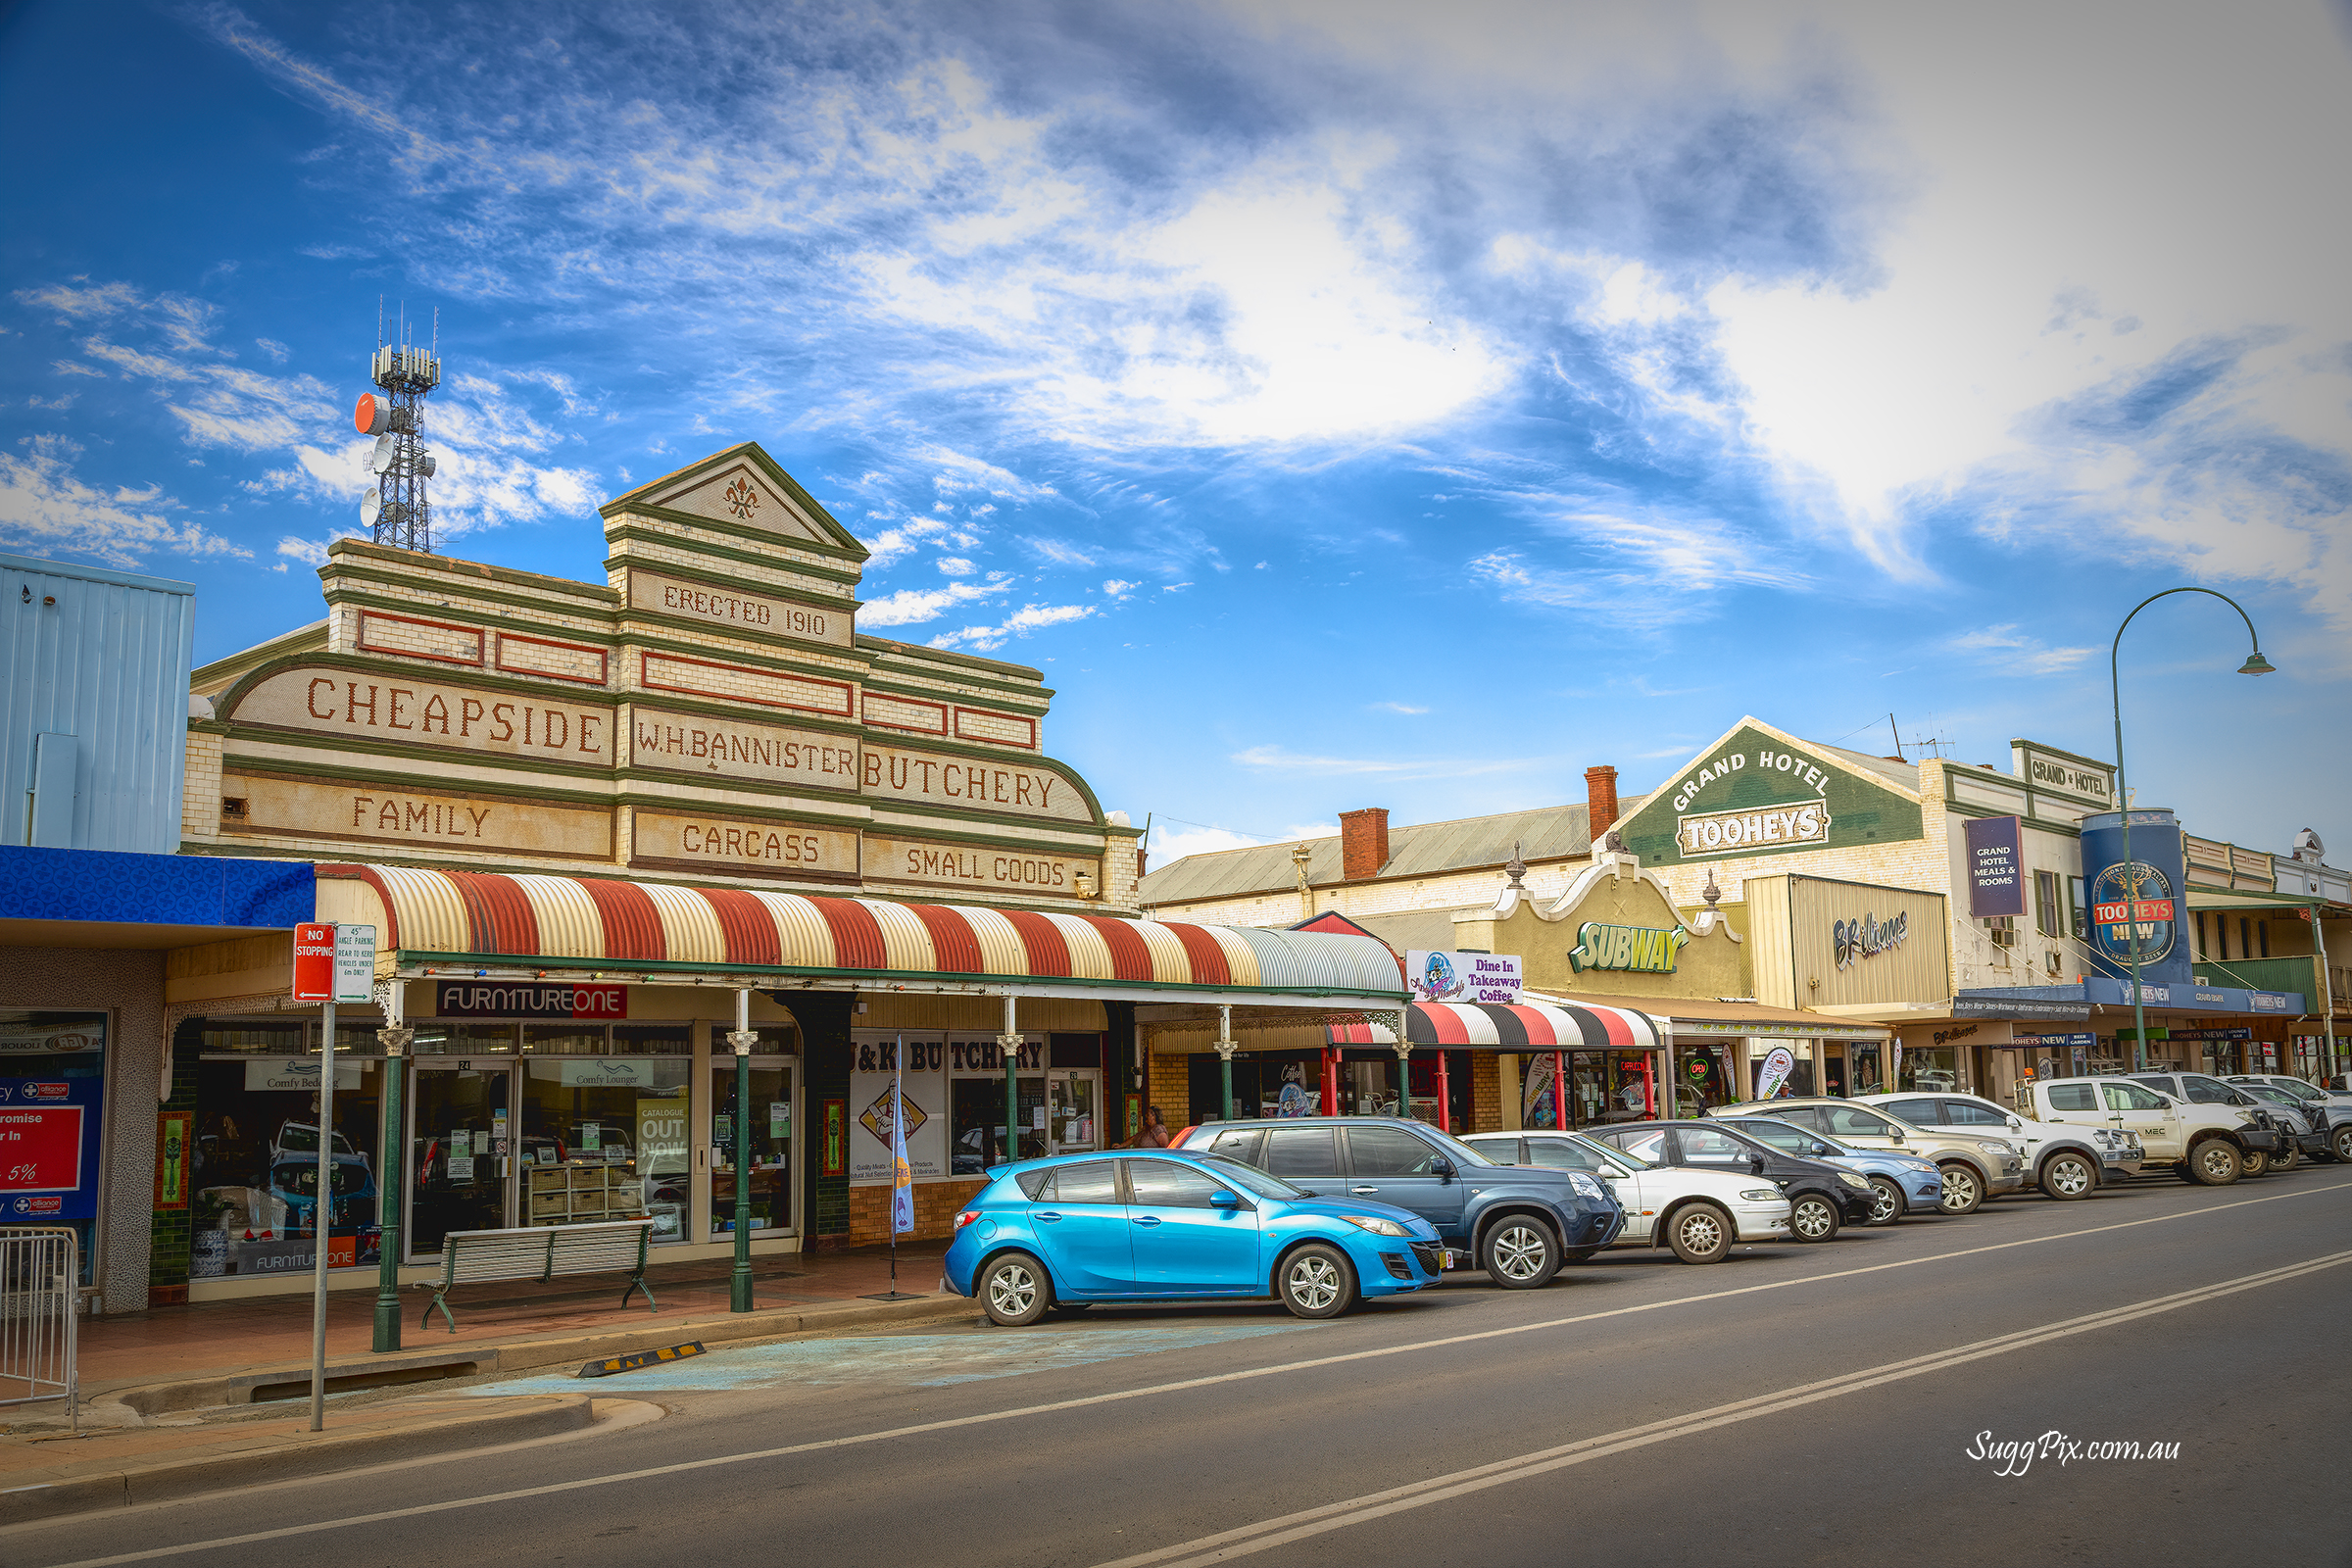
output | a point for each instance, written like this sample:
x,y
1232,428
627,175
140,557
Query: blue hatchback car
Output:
x,y
1160,1225
1903,1182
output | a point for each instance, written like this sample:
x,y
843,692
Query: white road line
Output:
x,y
1268,1533
1156,1391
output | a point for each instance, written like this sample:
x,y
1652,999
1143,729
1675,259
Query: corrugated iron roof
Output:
x,y
1424,848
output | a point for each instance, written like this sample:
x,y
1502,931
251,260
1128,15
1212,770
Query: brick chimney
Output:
x,y
1363,843
1601,801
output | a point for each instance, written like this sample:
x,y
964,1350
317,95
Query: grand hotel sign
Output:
x,y
711,712
1756,793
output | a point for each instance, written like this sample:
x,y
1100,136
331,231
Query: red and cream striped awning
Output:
x,y
510,922
1525,1026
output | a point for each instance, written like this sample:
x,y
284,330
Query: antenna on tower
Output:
x,y
396,511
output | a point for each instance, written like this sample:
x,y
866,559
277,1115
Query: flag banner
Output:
x,y
902,1174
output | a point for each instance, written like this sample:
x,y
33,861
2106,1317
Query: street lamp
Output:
x,y
2255,664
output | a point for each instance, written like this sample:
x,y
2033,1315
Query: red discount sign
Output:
x,y
313,964
40,1148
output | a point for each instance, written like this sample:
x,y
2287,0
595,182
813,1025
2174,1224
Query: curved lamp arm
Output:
x,y
2255,664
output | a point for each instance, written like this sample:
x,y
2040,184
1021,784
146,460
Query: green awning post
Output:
x,y
742,1038
396,1038
1225,1049
1008,1041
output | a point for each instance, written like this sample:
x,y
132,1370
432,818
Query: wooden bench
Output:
x,y
541,1252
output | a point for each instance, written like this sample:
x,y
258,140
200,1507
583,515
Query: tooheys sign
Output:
x,y
2134,901
506,998
1758,793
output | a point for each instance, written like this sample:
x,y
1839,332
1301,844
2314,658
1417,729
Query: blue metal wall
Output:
x,y
100,657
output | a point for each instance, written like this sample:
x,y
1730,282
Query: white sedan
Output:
x,y
1700,1213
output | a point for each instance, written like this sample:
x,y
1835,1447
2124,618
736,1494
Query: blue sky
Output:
x,y
1344,404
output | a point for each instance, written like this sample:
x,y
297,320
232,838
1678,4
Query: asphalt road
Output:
x,y
1851,1402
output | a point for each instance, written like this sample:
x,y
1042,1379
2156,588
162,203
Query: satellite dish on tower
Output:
x,y
373,416
370,505
404,372
385,450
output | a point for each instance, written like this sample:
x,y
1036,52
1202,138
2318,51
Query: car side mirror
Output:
x,y
1223,1201
1819,1148
1443,1166
1610,1173
1755,1163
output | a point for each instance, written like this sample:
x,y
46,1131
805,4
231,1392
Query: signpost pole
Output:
x,y
2255,664
1225,1049
744,1037
322,1210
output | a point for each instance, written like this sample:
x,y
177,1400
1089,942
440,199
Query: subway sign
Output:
x,y
1641,948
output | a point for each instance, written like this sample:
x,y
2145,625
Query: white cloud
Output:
x,y
911,606
2013,650
308,552
1397,708
276,351
1119,587
1020,623
895,544
77,368
955,565
47,510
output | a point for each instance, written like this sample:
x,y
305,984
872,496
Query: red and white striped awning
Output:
x,y
474,919
1524,1026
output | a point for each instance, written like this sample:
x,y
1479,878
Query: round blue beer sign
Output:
x,y
2132,899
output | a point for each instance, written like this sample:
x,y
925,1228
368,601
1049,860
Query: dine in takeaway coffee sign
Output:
x,y
1757,794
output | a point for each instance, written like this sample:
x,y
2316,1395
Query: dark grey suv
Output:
x,y
1517,1222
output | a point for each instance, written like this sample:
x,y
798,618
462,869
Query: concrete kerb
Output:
x,y
523,1353
288,1457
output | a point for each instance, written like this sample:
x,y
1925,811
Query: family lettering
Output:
x,y
410,818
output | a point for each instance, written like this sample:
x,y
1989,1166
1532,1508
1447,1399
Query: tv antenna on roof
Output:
x,y
396,513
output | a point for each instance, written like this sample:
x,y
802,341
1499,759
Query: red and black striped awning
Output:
x,y
1523,1026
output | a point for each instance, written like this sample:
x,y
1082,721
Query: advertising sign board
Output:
x,y
2135,904
355,963
49,1148
1996,867
1463,976
314,963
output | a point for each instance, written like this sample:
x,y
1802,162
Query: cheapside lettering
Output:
x,y
733,841
372,705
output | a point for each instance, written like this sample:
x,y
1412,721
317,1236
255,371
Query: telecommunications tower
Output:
x,y
396,510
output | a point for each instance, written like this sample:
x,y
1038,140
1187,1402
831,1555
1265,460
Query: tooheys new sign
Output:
x,y
2136,903
1758,793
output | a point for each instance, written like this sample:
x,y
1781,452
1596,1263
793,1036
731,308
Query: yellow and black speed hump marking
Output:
x,y
641,1359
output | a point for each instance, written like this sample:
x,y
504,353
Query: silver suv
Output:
x,y
1974,1164
2066,1163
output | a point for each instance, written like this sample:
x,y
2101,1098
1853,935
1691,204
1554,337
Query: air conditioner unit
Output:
x,y
2052,963
2002,929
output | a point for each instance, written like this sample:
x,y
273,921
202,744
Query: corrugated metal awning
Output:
x,y
520,921
1526,1026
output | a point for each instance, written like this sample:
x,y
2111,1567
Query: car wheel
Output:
x,y
1317,1281
1014,1291
2343,1142
2068,1176
1701,1234
1813,1218
2215,1163
2253,1163
1963,1192
1519,1254
2287,1161
1887,1200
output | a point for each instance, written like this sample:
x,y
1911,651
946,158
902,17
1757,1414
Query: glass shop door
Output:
x,y
462,1167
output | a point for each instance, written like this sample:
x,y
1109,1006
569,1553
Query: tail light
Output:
x,y
966,1217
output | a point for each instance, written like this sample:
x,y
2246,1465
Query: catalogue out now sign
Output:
x,y
48,1148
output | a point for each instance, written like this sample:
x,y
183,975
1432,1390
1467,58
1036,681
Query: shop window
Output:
x,y
48,1048
652,1040
1929,1069
254,1169
977,1117
2262,934
437,1039
271,1037
2049,908
563,1040
605,1137
770,1141
2078,910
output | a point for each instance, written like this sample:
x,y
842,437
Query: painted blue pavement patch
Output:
x,y
904,1361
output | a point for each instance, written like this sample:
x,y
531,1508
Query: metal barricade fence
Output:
x,y
39,1276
